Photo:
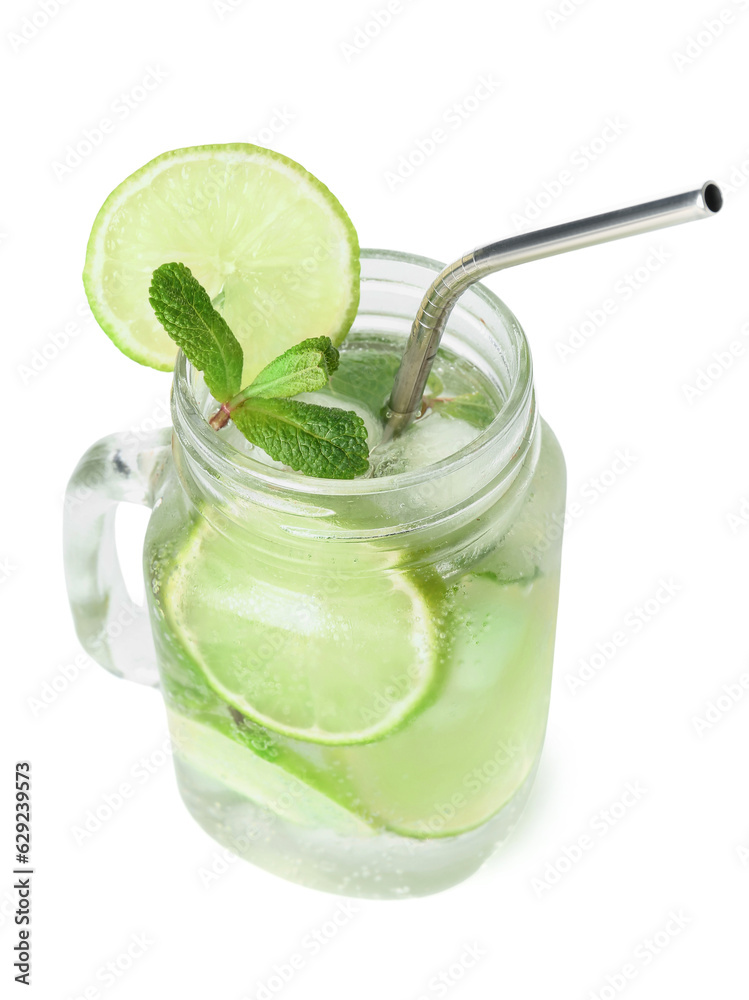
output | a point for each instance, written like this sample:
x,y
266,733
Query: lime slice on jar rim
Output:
x,y
267,240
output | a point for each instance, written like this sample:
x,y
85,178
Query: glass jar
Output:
x,y
356,673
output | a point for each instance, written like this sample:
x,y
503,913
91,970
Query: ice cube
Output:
x,y
426,442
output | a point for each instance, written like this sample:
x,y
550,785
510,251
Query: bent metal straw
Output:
x,y
437,304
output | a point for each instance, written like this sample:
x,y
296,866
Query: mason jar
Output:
x,y
356,673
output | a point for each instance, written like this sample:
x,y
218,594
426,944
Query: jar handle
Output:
x,y
113,629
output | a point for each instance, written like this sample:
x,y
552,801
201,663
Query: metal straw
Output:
x,y
437,304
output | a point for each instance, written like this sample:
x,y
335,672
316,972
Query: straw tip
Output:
x,y
712,197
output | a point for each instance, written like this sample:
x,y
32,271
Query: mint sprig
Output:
x,y
184,309
315,440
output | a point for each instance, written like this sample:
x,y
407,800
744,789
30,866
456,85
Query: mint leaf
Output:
x,y
368,378
184,309
305,367
316,440
472,407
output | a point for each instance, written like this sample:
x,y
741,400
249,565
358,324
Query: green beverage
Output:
x,y
358,690
356,670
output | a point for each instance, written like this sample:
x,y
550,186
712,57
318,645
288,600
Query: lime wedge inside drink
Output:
x,y
327,657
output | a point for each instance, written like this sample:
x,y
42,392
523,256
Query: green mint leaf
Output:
x,y
305,367
332,357
366,378
316,440
369,379
472,407
184,309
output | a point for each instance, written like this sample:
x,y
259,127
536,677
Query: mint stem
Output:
x,y
221,417
429,401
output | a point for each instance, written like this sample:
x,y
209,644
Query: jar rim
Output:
x,y
242,472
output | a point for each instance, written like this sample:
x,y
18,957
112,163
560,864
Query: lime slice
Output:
x,y
319,653
271,787
462,758
265,238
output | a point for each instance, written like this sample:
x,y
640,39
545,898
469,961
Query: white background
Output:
x,y
350,115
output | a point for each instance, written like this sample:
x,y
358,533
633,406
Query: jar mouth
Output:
x,y
515,420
